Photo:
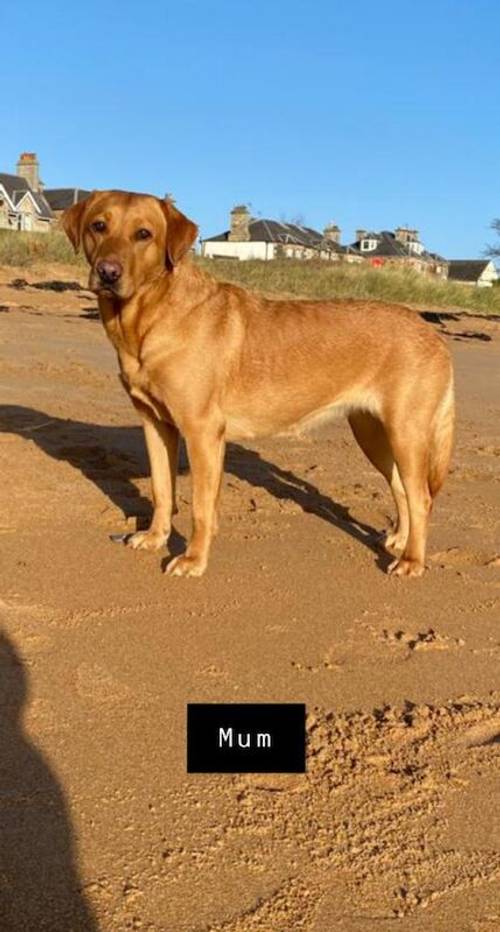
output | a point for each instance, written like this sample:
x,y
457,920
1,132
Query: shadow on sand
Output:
x,y
112,456
39,885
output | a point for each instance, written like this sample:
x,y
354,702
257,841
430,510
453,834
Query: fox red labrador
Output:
x,y
213,361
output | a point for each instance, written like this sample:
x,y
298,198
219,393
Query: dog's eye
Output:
x,y
143,234
98,226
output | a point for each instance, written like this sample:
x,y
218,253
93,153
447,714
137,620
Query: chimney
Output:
x,y
405,235
332,233
240,224
360,234
27,167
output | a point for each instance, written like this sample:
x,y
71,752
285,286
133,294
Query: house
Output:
x,y
62,198
23,205
401,247
26,204
248,238
479,272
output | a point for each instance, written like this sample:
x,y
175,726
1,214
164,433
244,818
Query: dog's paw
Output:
x,y
146,540
186,566
394,540
406,567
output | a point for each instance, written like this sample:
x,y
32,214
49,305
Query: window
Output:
x,y
416,247
368,244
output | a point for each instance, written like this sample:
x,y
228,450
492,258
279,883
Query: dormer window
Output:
x,y
367,245
416,247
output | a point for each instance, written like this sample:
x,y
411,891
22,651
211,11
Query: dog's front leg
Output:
x,y
162,442
205,447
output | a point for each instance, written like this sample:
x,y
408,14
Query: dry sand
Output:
x,y
395,825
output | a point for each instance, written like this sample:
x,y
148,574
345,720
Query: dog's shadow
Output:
x,y
111,457
283,484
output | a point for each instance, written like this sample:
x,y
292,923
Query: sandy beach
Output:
x,y
395,825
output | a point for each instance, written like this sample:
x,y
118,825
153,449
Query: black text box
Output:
x,y
246,738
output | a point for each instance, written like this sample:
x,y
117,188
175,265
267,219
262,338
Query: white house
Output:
x,y
479,272
271,239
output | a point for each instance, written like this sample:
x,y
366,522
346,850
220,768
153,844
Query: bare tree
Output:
x,y
298,220
493,250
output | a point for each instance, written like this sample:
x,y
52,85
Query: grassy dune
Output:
x,y
313,279
320,279
26,249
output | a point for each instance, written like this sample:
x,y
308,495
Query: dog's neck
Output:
x,y
172,293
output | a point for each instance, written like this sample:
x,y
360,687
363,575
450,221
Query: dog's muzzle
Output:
x,y
109,272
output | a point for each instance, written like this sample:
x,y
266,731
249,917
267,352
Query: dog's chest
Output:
x,y
132,371
135,379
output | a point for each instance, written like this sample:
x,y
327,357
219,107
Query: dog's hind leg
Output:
x,y
372,438
215,522
412,457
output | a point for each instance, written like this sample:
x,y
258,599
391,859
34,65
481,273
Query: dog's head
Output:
x,y
128,239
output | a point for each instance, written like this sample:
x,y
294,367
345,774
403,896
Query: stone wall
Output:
x,y
4,216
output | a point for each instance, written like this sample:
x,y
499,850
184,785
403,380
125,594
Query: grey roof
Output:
x,y
18,195
275,231
13,184
42,204
437,257
388,246
16,187
61,198
466,270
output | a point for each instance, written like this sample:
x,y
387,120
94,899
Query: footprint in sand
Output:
x,y
422,640
466,474
328,664
98,684
457,556
213,671
488,451
483,733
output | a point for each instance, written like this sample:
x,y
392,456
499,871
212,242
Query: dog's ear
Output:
x,y
72,221
181,232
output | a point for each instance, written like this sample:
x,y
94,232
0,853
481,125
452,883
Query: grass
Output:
x,y
26,249
320,279
311,279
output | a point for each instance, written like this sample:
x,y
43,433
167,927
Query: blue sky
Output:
x,y
372,114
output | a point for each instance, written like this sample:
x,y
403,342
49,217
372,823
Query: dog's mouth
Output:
x,y
100,288
106,289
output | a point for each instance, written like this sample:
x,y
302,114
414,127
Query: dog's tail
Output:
x,y
442,439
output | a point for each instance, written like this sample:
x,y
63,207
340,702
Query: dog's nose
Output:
x,y
109,271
